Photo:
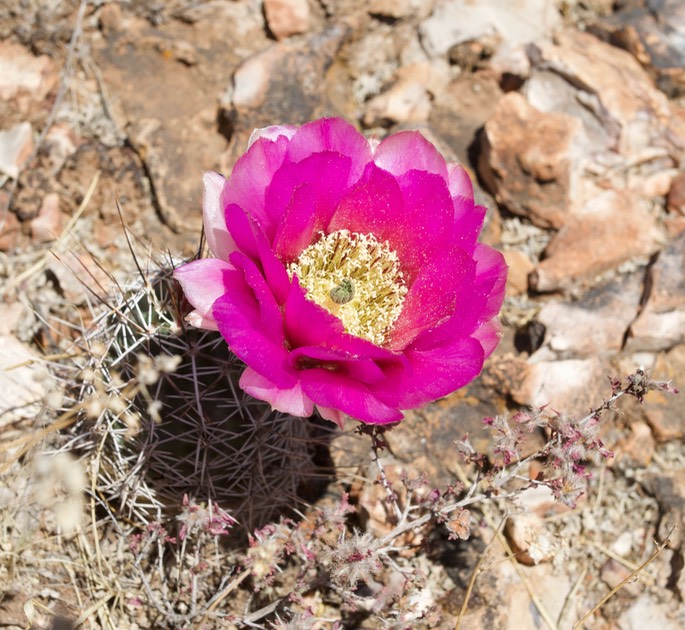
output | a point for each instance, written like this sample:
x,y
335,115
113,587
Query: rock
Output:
x,y
376,514
47,226
510,61
23,381
520,266
668,488
409,99
675,202
638,448
613,573
10,317
665,413
457,21
462,108
596,324
572,386
528,160
287,17
24,78
61,142
474,53
661,324
10,227
646,612
653,35
80,277
16,145
616,92
610,229
398,9
529,539
283,83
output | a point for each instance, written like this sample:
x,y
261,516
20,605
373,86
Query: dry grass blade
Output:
x,y
659,548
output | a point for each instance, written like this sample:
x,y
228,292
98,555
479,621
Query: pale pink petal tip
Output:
x,y
459,181
218,239
203,282
333,415
196,319
292,401
272,133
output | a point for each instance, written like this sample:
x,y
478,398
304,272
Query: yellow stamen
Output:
x,y
355,277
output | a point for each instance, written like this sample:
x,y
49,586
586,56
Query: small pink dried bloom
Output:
x,y
347,274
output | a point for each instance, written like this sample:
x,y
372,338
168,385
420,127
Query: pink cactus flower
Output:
x,y
346,273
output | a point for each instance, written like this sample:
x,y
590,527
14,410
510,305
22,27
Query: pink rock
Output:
x,y
571,386
661,324
529,160
608,230
24,77
287,17
47,225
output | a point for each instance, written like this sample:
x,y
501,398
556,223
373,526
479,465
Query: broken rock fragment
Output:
x,y
528,160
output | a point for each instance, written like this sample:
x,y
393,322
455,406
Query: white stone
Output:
x,y
458,21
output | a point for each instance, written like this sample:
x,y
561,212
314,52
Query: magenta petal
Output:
x,y
479,302
426,223
434,373
297,200
491,278
307,323
331,134
249,319
459,181
468,221
292,400
489,335
434,294
241,230
218,239
335,390
252,175
360,368
203,282
415,214
409,151
274,272
371,206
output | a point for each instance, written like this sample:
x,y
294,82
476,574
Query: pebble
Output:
x,y
47,226
661,323
16,145
287,17
25,78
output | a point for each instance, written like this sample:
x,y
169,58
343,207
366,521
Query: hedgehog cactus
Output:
x,y
174,422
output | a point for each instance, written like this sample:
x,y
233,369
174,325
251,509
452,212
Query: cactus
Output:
x,y
170,421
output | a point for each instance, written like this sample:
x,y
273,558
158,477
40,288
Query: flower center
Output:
x,y
356,278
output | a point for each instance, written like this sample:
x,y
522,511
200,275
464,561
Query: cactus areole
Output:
x,y
346,274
